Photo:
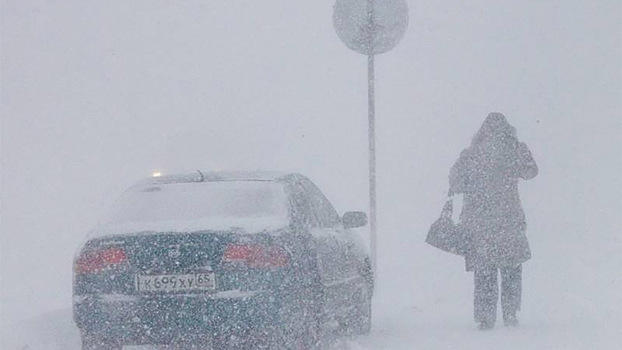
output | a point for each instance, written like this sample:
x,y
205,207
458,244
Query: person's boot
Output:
x,y
485,325
510,320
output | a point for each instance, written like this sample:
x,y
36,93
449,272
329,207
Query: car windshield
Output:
x,y
227,200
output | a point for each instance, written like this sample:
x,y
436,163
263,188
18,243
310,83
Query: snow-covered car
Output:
x,y
222,260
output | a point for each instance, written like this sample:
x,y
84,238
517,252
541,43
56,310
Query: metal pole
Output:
x,y
372,158
372,132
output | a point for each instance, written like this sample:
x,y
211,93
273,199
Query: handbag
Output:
x,y
445,235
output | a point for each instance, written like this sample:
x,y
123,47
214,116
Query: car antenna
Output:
x,y
202,176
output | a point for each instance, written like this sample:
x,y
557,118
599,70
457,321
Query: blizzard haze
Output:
x,y
97,95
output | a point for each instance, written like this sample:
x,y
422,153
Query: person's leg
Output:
x,y
511,289
485,297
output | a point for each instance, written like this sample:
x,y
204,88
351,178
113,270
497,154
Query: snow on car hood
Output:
x,y
250,206
247,225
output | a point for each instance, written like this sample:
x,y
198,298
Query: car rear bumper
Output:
x,y
161,319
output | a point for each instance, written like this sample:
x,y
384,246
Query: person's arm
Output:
x,y
527,167
457,174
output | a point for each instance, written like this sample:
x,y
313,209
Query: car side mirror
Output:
x,y
354,219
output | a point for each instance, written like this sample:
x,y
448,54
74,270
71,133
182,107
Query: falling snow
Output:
x,y
97,95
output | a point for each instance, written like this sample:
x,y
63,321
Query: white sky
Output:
x,y
96,95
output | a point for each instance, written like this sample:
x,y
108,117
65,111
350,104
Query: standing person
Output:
x,y
487,173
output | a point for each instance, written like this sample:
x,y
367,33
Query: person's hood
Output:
x,y
495,129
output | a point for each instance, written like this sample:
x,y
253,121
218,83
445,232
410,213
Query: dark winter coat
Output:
x,y
487,173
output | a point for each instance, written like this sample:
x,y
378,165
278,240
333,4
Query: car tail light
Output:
x,y
98,260
256,255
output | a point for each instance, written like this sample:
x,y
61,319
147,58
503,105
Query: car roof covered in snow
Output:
x,y
214,176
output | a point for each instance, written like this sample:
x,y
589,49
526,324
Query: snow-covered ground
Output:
x,y
424,302
439,324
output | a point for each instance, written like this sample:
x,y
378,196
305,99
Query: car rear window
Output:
x,y
227,200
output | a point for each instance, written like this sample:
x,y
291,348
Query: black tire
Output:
x,y
358,319
311,335
94,343
299,325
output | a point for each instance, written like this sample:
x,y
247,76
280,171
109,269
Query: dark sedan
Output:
x,y
219,261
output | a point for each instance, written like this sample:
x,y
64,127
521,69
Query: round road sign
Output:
x,y
370,31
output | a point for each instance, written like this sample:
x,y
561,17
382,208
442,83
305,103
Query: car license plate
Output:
x,y
174,283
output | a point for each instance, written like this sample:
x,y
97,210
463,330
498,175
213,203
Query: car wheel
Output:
x,y
310,336
299,325
93,343
358,320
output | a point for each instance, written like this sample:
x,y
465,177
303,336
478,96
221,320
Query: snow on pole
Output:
x,y
371,27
